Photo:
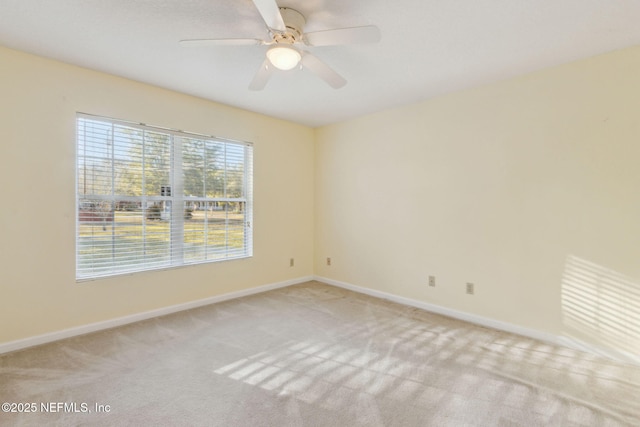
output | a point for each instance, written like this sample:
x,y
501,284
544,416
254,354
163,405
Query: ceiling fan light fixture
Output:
x,y
284,57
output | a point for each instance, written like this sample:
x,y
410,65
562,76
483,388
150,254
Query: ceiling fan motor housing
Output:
x,y
294,21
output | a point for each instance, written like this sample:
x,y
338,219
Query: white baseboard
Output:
x,y
490,323
472,318
112,323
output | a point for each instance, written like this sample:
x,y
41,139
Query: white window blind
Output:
x,y
149,198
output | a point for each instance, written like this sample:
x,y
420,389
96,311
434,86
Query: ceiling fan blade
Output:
x,y
271,14
323,71
366,34
221,42
262,76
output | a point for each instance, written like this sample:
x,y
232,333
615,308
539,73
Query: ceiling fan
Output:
x,y
287,41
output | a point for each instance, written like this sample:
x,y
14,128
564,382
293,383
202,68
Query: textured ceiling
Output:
x,y
428,47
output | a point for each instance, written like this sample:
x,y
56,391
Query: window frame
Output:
x,y
178,200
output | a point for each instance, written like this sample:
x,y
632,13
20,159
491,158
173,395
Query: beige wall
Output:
x,y
529,188
38,102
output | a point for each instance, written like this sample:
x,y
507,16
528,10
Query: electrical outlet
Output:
x,y
291,262
470,288
432,280
328,261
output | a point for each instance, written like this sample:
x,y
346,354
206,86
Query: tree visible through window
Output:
x,y
151,198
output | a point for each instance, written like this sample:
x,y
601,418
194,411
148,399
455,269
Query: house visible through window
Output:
x,y
150,198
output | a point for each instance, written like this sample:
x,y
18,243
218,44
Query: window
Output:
x,y
150,198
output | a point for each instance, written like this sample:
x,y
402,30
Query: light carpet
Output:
x,y
314,355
